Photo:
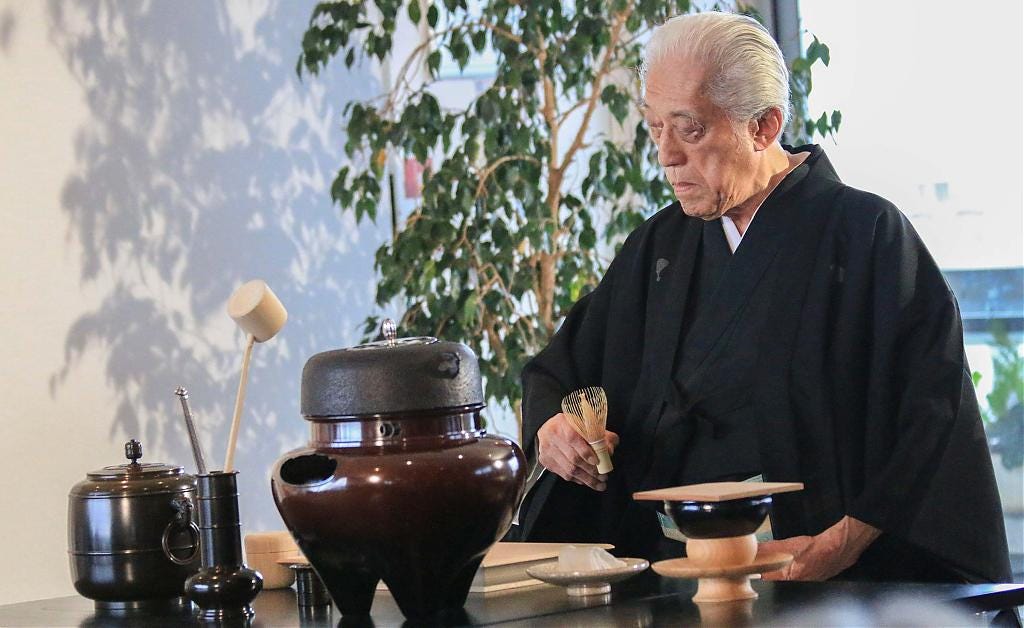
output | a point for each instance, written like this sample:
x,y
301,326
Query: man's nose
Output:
x,y
670,150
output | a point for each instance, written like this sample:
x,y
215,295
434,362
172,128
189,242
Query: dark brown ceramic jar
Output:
x,y
132,537
399,482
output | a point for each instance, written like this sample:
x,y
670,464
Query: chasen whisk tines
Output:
x,y
587,411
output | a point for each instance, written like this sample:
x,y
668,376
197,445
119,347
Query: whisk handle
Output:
x,y
604,459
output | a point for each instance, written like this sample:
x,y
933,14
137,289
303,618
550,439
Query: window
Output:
x,y
932,120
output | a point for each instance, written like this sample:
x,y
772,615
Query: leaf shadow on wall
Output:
x,y
205,162
8,24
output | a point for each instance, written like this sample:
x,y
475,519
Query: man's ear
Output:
x,y
766,129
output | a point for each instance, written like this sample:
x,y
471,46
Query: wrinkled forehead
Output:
x,y
674,83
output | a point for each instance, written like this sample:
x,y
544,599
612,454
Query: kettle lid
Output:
x,y
390,376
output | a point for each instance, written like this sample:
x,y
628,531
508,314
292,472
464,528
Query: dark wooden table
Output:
x,y
647,600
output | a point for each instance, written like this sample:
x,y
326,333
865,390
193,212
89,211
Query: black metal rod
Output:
x,y
193,437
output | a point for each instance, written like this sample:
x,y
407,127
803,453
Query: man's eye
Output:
x,y
654,130
690,131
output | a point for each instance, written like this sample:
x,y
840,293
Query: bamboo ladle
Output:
x,y
260,314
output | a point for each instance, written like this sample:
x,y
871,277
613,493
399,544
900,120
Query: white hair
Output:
x,y
747,73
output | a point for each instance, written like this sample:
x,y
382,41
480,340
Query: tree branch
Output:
x,y
595,93
494,165
507,34
562,117
401,79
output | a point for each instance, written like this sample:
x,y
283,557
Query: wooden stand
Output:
x,y
722,581
724,552
709,553
722,565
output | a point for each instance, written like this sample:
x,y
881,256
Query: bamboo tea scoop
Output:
x,y
260,314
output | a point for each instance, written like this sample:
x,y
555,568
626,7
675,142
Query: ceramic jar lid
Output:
x,y
391,376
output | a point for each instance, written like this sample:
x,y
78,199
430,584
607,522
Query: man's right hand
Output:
x,y
566,454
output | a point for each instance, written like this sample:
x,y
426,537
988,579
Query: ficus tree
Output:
x,y
505,236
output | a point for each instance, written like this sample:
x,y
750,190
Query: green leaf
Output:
x,y
432,15
608,94
588,238
469,308
822,125
479,40
813,50
460,52
366,207
340,192
414,11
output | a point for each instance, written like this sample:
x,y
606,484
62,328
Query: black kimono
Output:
x,y
829,340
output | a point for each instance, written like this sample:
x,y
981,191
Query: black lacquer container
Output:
x,y
224,588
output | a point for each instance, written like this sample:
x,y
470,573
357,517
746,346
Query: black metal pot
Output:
x,y
132,536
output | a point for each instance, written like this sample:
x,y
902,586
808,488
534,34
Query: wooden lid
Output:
x,y
269,543
502,553
717,491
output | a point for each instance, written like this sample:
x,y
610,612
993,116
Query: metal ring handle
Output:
x,y
166,545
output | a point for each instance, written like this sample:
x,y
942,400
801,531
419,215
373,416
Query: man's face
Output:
x,y
708,158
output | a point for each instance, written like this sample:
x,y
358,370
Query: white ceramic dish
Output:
x,y
579,583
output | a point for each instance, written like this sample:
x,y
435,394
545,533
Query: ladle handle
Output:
x,y
229,459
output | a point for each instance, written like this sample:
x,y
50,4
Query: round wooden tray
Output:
x,y
684,567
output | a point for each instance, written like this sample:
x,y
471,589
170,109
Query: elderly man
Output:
x,y
773,322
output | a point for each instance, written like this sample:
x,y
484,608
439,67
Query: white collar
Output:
x,y
732,234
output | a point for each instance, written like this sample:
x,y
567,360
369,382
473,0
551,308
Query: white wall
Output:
x,y
153,156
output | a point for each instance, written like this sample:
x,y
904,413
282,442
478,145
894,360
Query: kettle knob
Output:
x,y
389,331
133,450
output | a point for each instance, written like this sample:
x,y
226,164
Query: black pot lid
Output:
x,y
133,478
390,376
134,471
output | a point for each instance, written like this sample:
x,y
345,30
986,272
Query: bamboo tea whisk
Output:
x,y
587,412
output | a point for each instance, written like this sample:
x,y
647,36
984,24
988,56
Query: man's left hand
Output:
x,y
822,556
